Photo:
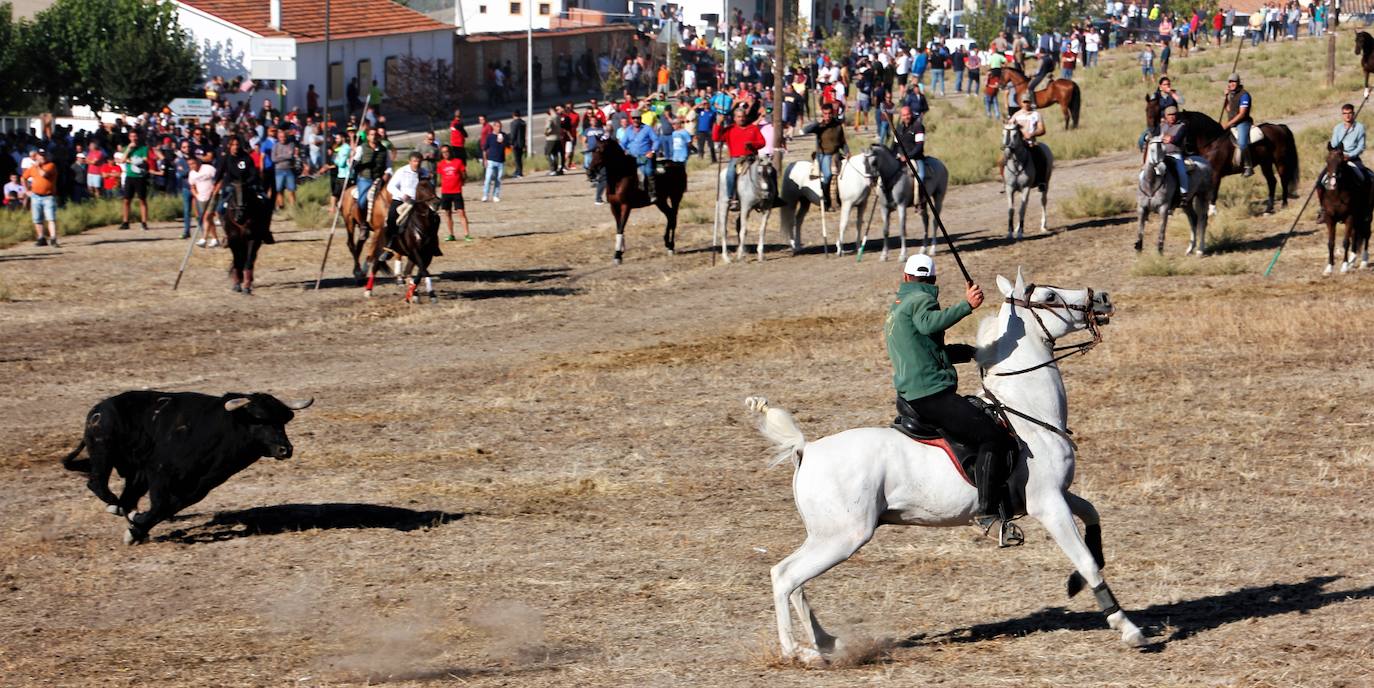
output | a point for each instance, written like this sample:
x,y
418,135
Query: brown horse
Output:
x,y
354,227
247,220
1277,150
416,240
1062,91
624,194
1364,47
1346,195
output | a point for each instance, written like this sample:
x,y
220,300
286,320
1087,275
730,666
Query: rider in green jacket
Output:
x,y
926,382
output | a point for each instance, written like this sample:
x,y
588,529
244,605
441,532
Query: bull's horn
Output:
x,y
236,403
298,404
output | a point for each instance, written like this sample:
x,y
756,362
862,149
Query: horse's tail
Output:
x,y
1075,102
1289,159
776,424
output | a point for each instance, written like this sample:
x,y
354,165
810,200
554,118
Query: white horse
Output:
x,y
895,176
856,179
1157,190
799,192
848,484
755,192
1019,175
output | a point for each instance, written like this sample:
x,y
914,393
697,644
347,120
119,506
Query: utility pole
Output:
x,y
920,22
777,83
725,21
328,72
529,78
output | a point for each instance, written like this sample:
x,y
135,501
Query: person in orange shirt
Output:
x,y
41,181
663,78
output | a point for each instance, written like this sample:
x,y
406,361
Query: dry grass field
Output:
x,y
548,478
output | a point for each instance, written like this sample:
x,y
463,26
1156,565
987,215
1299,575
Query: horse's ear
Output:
x,y
1004,286
1020,282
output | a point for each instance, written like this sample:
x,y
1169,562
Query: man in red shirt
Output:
x,y
742,139
451,170
570,120
457,135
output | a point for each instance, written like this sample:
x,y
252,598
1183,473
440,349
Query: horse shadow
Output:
x,y
1273,241
29,256
1165,623
287,518
127,240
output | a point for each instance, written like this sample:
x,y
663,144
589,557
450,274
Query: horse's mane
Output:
x,y
1364,43
986,341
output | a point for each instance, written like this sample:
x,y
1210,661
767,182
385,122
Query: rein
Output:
x,y
1069,349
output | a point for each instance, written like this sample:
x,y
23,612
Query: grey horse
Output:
x,y
898,192
757,189
1019,175
1158,192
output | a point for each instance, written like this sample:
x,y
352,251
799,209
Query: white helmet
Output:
x,y
920,265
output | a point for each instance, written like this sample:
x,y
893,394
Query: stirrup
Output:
x,y
1010,536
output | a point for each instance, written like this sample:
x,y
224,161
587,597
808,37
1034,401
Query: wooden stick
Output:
x,y
338,206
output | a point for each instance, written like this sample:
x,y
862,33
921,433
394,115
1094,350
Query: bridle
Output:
x,y
1089,318
1083,347
1150,150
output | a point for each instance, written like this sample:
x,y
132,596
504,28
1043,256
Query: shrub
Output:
x,y
1092,201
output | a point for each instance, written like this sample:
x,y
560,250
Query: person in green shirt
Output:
x,y
138,163
927,384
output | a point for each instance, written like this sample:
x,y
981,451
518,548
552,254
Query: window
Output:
x,y
364,76
543,9
390,68
515,8
481,9
336,80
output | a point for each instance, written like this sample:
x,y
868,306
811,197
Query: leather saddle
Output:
x,y
964,456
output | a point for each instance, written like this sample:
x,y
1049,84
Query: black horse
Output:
x,y
247,220
416,240
1276,151
624,194
1364,47
1346,195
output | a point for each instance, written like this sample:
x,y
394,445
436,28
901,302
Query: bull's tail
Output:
x,y
71,463
781,429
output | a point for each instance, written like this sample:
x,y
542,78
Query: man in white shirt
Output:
x,y
1092,41
402,189
903,67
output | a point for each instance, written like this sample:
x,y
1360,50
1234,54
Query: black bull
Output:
x,y
175,447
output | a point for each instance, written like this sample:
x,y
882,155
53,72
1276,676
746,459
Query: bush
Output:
x,y
1092,201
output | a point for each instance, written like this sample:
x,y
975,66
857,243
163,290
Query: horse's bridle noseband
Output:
x,y
1089,319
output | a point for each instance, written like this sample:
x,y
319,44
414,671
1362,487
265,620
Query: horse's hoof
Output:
x,y
1345,267
433,298
1327,271
132,538
1139,247
810,658
1134,638
882,257
1160,249
114,509
615,261
367,293
671,252
1020,234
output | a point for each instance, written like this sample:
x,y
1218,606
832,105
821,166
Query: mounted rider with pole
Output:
x,y
1236,114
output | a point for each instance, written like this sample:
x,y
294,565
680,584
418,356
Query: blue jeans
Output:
x,y
188,207
921,168
827,163
730,178
493,180
364,183
1243,135
1068,73
991,107
884,128
937,79
1182,173
959,81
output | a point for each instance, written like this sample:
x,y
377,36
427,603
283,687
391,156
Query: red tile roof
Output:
x,y
304,19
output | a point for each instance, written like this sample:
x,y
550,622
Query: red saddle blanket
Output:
x,y
941,444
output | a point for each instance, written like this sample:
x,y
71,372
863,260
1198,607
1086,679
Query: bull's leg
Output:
x,y
160,508
99,480
134,489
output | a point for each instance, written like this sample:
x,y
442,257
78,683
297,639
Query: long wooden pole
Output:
x,y
338,206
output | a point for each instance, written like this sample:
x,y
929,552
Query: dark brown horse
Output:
x,y
1276,151
624,194
1364,47
1062,91
247,220
353,223
1346,195
416,240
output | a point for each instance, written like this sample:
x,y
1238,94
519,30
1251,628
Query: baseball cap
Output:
x,y
1235,76
920,265
1171,110
1025,97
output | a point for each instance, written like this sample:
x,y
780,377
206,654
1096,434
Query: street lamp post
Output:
x,y
529,79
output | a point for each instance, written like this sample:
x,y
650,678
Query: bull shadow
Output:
x,y
1165,623
287,518
30,256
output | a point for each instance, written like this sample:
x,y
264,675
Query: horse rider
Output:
x,y
1173,133
1164,96
236,176
925,379
641,142
1236,107
742,139
1047,60
830,142
909,141
1348,135
402,188
1032,127
370,166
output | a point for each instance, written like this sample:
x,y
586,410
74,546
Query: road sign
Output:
x,y
192,107
273,49
273,69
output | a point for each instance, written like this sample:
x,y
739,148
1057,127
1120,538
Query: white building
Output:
x,y
489,16
366,39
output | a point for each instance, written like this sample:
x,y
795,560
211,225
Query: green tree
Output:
x,y
12,97
913,14
126,53
984,21
1059,15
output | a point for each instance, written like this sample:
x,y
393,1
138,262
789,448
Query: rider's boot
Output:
x,y
1246,168
989,487
650,188
825,199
